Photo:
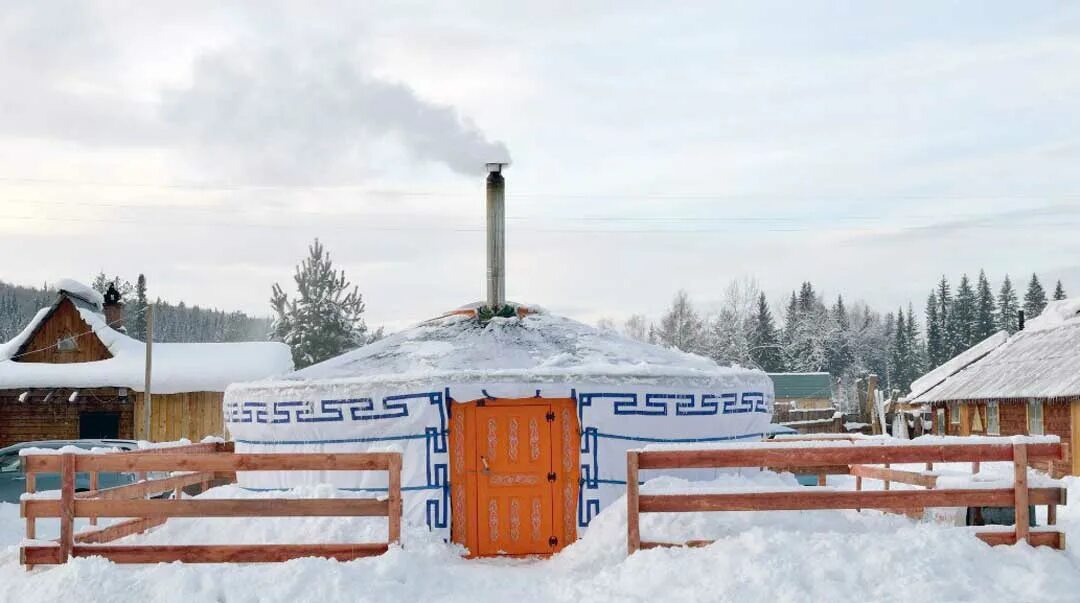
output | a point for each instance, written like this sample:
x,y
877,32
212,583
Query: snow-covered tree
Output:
x,y
764,339
636,327
1035,298
962,319
935,344
325,318
1008,307
985,311
136,310
944,318
839,342
1059,292
681,327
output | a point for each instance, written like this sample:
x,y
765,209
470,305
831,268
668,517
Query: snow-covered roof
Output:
x,y
176,367
532,347
956,364
1042,361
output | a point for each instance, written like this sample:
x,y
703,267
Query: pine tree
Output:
x,y
1008,307
137,321
681,327
1059,292
839,348
898,355
985,317
935,345
764,340
326,317
916,351
962,318
944,318
1034,299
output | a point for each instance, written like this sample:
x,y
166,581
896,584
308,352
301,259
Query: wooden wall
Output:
x,y
64,321
1060,418
57,418
191,415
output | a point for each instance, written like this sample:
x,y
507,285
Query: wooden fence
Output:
x,y
819,458
205,463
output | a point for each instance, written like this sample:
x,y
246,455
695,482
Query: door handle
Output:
x,y
487,468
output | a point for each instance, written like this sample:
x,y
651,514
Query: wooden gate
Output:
x,y
514,475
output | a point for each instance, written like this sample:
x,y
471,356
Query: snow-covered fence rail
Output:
x,y
201,466
813,455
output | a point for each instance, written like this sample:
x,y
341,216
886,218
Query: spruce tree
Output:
x,y
839,351
916,352
137,324
1008,307
962,318
944,318
935,345
1059,292
1035,298
898,351
985,318
325,318
764,340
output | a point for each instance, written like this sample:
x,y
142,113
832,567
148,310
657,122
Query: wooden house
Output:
x,y
73,373
804,402
1024,384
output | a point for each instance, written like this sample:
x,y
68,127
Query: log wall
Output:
x,y
52,417
191,415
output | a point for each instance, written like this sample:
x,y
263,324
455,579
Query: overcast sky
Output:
x,y
869,147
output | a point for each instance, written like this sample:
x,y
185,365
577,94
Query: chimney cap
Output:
x,y
495,167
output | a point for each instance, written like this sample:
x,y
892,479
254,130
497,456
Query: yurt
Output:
x,y
513,422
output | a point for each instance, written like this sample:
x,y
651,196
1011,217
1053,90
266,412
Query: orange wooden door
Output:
x,y
515,468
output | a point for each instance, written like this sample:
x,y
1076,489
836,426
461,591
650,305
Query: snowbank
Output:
x,y
1056,314
763,556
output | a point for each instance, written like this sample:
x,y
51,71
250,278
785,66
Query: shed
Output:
x,y
514,428
71,373
1024,384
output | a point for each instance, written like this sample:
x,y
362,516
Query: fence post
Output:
x,y
394,515
887,482
1020,489
67,505
93,486
633,529
31,523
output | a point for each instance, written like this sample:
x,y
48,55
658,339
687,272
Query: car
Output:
x,y
13,480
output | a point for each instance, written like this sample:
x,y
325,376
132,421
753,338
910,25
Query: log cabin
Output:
x,y
73,373
805,403
1027,383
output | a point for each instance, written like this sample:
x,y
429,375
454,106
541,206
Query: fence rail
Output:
x,y
856,458
206,464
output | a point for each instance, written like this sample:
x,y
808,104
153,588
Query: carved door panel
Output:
x,y
514,480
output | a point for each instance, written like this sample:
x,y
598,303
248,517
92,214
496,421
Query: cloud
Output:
x,y
289,114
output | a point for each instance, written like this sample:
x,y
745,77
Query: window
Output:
x,y
993,418
10,463
940,423
67,344
954,413
1035,417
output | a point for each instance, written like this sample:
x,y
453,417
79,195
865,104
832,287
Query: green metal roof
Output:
x,y
802,385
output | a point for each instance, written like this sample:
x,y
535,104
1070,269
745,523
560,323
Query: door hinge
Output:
x,y
481,402
553,541
551,476
550,416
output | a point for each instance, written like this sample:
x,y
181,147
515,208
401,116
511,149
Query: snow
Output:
x,y
536,347
775,556
959,362
78,289
177,367
1056,314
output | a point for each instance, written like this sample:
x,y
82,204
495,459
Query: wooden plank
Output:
x,y
31,523
67,505
1051,539
146,488
811,500
39,555
779,456
221,461
694,544
252,507
896,475
394,502
633,527
245,553
119,530
1020,492
93,487
1051,515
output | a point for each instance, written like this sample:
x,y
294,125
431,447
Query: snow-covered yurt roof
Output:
x,y
177,367
1042,361
531,346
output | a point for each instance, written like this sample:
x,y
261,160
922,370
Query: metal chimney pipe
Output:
x,y
496,236
1020,320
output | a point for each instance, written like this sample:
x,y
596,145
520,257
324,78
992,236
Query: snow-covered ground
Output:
x,y
773,556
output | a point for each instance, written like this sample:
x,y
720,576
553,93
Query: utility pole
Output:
x,y
147,397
